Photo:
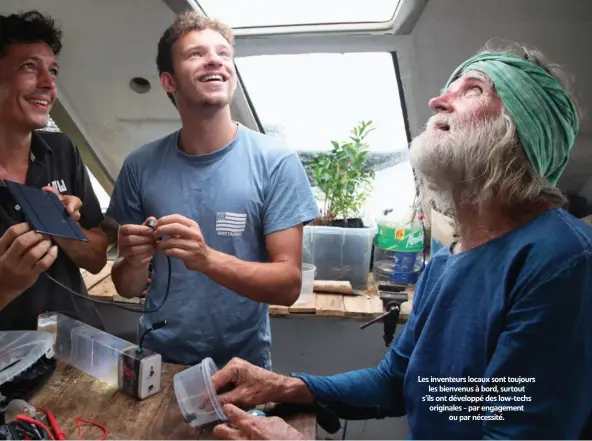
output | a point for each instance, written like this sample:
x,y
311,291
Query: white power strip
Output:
x,y
139,372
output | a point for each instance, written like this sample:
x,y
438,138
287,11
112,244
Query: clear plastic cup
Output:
x,y
196,396
307,288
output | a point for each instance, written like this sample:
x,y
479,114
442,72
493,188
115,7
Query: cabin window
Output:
x,y
267,13
311,99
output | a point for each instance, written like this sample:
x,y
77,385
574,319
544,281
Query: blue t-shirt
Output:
x,y
516,307
237,195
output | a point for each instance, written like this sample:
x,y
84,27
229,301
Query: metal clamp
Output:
x,y
390,319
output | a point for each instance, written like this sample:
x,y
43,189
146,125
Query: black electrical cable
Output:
x,y
155,326
105,302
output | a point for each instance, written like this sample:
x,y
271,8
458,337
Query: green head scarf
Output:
x,y
545,117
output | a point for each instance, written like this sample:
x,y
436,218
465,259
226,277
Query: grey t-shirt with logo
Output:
x,y
239,194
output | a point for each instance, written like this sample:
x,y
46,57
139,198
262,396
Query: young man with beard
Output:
x,y
229,206
29,45
507,306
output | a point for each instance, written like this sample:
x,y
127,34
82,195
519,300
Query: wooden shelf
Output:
x,y
364,306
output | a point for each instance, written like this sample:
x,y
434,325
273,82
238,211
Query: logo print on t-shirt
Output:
x,y
60,185
230,224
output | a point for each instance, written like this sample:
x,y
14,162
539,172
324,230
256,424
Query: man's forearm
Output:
x,y
129,280
277,283
295,391
365,387
110,227
378,386
91,255
362,398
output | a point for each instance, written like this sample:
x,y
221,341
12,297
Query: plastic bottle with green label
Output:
x,y
398,252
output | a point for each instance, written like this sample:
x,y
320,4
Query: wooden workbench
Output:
x,y
365,306
70,393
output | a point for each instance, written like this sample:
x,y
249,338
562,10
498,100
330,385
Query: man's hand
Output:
x,y
242,425
135,243
71,203
252,385
180,237
24,254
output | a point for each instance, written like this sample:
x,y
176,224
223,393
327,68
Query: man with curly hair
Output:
x,y
229,205
29,46
499,342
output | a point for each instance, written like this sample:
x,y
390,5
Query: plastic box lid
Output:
x,y
323,229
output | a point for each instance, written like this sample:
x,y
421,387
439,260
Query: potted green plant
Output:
x,y
344,176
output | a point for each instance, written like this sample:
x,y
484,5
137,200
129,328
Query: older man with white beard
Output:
x,y
499,342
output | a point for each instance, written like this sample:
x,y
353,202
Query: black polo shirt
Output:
x,y
55,161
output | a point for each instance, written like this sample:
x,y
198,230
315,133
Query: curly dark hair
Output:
x,y
184,23
29,27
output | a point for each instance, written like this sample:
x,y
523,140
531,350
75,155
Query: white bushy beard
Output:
x,y
464,162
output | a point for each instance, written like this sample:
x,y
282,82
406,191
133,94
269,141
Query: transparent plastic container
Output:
x,y
308,276
339,253
196,396
98,353
19,350
89,349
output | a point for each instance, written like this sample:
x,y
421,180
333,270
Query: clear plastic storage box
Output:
x,y
196,396
339,253
84,347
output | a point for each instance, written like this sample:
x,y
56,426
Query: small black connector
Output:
x,y
156,325
159,325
